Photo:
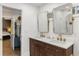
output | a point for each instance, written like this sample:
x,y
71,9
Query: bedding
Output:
x,y
5,33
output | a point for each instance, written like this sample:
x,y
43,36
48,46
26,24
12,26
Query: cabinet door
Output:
x,y
50,50
42,51
37,50
40,48
59,51
34,48
31,48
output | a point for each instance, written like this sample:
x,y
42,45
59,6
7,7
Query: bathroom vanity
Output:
x,y
60,22
50,47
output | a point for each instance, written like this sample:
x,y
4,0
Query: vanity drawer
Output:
x,y
39,43
59,52
55,51
50,50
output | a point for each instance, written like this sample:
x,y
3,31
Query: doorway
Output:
x,y
11,31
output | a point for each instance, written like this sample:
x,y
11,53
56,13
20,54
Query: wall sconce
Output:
x,y
71,22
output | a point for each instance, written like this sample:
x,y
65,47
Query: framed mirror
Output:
x,y
63,23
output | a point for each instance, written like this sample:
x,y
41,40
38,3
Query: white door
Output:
x,y
12,33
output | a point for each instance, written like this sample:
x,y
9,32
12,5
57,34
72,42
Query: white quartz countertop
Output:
x,y
55,42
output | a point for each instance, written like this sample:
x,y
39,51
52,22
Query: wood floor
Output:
x,y
7,49
0,47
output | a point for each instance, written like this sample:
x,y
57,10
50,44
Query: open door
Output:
x,y
12,33
12,45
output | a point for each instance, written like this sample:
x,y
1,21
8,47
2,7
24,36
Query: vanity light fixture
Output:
x,y
68,8
72,18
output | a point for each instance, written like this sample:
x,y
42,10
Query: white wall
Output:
x,y
0,21
0,30
29,27
76,36
49,7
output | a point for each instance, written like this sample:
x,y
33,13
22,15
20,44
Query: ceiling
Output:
x,y
11,10
37,4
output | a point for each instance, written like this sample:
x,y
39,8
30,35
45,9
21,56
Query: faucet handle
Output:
x,y
64,39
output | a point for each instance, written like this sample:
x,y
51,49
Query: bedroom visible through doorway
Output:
x,y
11,31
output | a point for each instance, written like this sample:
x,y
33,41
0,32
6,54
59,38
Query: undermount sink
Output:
x,y
48,39
52,40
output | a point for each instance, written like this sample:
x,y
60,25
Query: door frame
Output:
x,y
13,25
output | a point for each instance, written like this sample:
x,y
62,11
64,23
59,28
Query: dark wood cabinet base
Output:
x,y
38,48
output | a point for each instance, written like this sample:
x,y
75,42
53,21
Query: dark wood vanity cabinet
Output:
x,y
38,48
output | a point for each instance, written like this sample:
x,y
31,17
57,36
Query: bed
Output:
x,y
6,35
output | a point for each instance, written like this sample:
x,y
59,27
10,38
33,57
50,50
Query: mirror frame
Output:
x,y
66,23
